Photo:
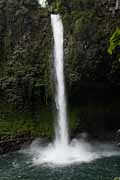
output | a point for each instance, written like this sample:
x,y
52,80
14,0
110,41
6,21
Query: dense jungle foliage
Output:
x,y
92,66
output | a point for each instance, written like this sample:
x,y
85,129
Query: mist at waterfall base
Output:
x,y
61,152
77,152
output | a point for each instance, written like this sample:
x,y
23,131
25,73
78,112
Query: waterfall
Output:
x,y
61,151
61,129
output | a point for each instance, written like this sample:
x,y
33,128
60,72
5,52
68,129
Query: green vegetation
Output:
x,y
117,178
33,125
114,41
23,124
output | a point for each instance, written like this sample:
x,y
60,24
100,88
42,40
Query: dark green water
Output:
x,y
17,166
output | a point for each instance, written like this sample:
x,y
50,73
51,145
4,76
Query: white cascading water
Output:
x,y
60,152
61,129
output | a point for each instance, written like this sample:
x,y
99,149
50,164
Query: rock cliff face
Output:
x,y
92,75
25,45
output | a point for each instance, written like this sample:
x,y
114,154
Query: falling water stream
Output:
x,y
61,130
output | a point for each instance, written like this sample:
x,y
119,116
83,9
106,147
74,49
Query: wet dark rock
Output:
x,y
40,142
118,145
11,145
118,137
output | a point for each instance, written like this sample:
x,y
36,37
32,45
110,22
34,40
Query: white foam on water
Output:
x,y
78,151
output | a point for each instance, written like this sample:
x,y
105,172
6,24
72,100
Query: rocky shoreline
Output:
x,y
14,144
